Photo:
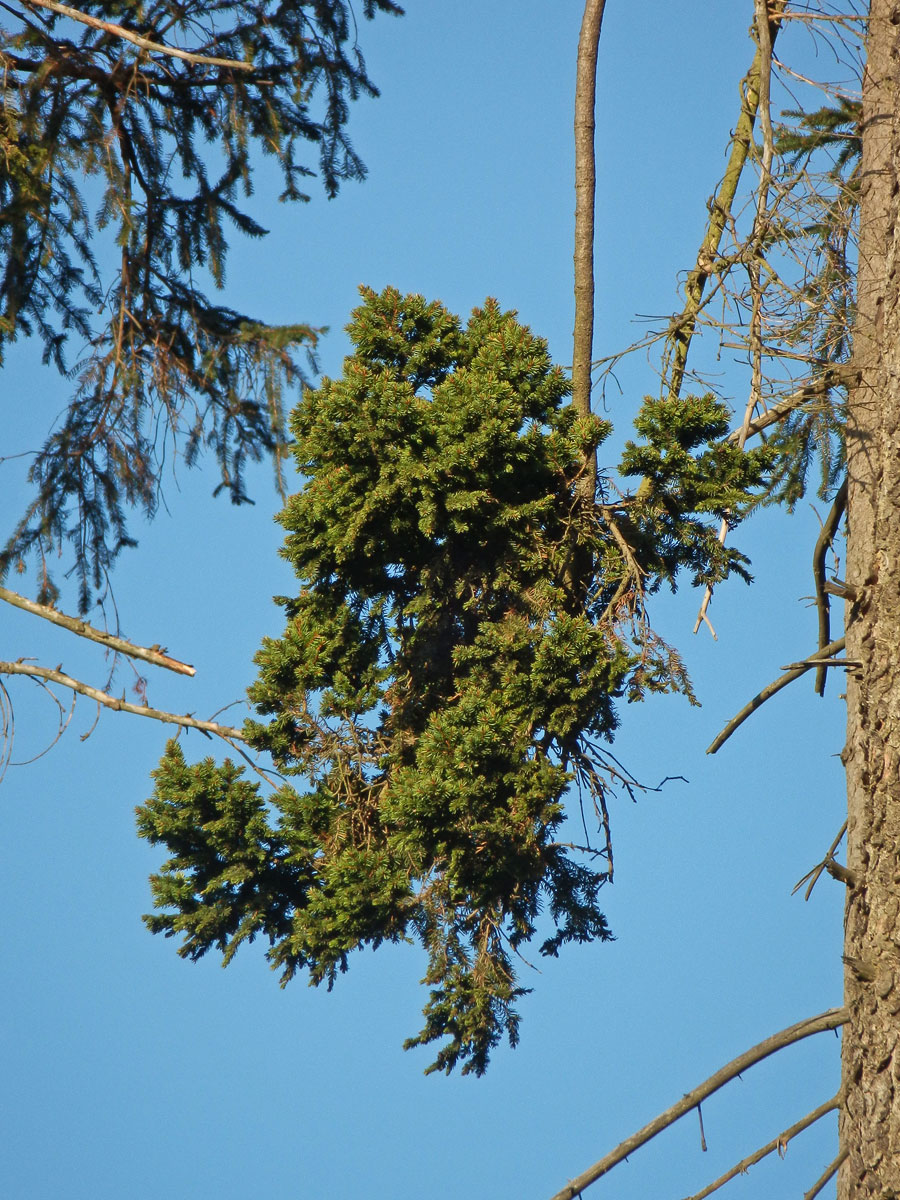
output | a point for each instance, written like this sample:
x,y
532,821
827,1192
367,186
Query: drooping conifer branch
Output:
x,y
138,40
150,654
164,369
832,1019
118,704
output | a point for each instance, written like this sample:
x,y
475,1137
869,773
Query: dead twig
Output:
x,y
829,1173
831,1019
768,692
119,705
813,875
779,1143
151,654
823,543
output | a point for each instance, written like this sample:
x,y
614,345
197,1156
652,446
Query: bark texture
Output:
x,y
870,1120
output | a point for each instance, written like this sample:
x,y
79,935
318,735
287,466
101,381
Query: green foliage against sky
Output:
x,y
464,624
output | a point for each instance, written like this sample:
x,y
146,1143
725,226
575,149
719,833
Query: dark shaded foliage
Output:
x,y
122,172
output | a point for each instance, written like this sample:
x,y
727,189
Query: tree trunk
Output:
x,y
870,1120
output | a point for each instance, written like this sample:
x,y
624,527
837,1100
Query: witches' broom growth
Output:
x,y
442,685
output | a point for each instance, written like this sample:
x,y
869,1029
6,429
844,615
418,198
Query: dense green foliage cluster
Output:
x,y
121,171
464,624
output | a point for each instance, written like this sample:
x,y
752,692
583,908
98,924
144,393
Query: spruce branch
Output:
x,y
20,667
150,654
128,35
831,1019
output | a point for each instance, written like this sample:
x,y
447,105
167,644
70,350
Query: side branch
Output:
x,y
104,698
767,692
150,654
75,14
823,543
831,1019
779,1143
830,1171
827,864
830,377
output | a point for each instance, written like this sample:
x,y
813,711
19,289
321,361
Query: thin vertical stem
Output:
x,y
585,189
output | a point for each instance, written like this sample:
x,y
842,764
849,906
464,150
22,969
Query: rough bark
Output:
x,y
870,1120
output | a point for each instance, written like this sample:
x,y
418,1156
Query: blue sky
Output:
x,y
127,1072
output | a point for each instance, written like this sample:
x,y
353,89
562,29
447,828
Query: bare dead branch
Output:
x,y
822,662
683,327
841,873
585,188
611,611
754,266
768,692
837,587
831,1019
779,1143
7,728
823,542
145,43
765,11
807,16
119,705
830,1171
813,875
150,654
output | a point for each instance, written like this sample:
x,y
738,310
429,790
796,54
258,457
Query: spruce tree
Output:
x,y
446,683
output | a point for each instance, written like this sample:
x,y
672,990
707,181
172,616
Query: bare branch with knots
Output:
x,y
119,705
779,1143
796,670
151,654
831,1019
